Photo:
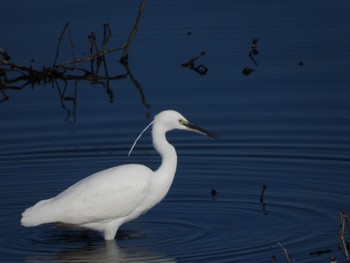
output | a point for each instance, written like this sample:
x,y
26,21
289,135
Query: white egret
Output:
x,y
107,199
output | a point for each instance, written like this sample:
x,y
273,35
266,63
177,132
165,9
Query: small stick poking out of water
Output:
x,y
288,256
262,193
213,193
254,51
344,238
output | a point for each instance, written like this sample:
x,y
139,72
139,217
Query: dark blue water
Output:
x,y
286,126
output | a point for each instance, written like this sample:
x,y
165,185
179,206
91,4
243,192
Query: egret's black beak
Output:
x,y
195,128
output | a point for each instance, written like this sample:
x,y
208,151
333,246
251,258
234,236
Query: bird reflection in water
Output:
x,y
90,250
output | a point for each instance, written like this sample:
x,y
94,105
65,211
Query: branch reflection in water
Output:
x,y
68,92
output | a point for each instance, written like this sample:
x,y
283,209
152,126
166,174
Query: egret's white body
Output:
x,y
107,199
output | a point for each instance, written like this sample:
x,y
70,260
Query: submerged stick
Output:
x,y
262,193
261,198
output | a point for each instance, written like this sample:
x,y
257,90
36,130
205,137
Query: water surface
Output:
x,y
286,126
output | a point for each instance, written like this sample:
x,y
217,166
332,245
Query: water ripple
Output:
x,y
221,229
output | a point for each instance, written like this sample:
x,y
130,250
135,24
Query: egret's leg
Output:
x,y
109,234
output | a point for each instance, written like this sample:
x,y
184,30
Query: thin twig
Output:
x,y
106,35
124,58
66,27
262,193
4,97
344,243
90,57
92,44
288,256
261,198
254,51
71,42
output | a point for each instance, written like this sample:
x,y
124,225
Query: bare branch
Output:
x,y
17,77
66,28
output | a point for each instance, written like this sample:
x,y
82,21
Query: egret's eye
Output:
x,y
181,121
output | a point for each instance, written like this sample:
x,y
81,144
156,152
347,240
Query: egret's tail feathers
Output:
x,y
37,214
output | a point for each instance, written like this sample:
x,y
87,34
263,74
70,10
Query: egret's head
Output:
x,y
171,120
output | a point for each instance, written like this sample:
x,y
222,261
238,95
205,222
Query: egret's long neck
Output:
x,y
166,172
